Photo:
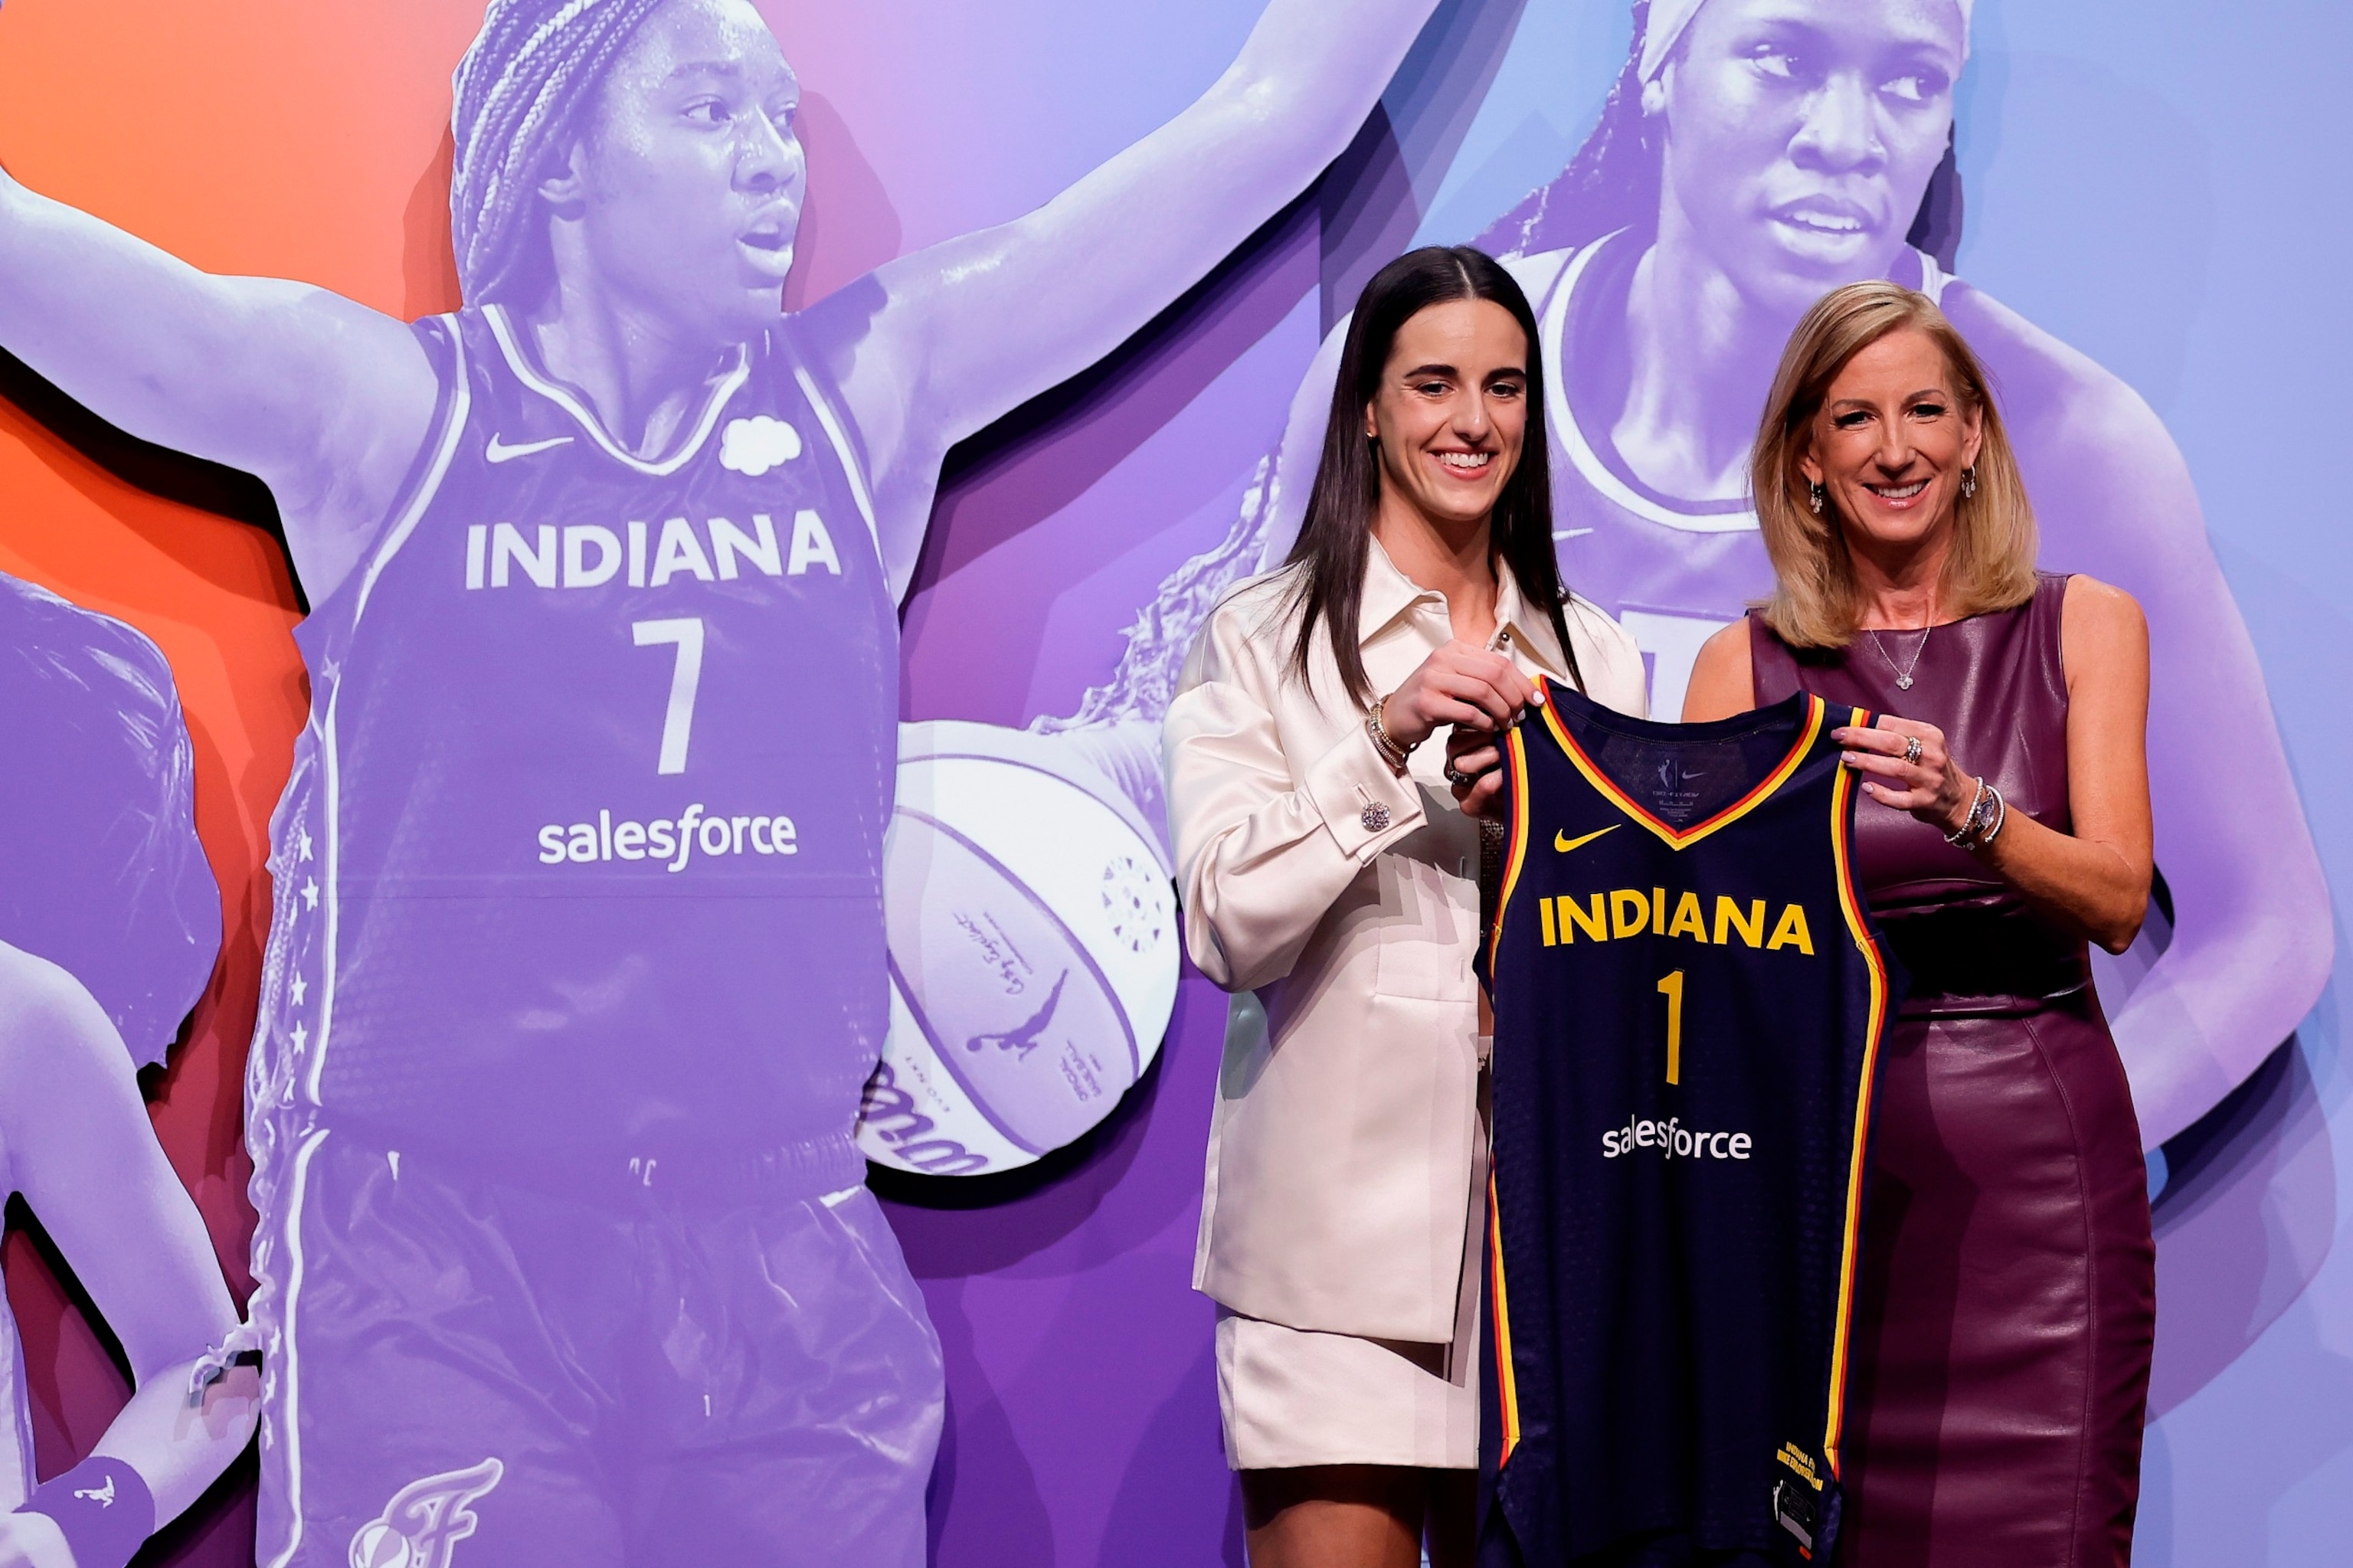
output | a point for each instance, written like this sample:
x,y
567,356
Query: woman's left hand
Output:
x,y
1927,783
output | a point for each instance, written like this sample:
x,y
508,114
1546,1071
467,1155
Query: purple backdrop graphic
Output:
x,y
577,963
1745,158
109,923
1080,1419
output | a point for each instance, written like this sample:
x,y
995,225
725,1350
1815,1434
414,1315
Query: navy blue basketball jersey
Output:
x,y
581,852
1688,997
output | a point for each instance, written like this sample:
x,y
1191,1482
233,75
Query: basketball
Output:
x,y
1033,952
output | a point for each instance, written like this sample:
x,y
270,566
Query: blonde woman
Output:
x,y
2007,1307
1331,884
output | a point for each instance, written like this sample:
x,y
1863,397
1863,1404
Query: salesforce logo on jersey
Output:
x,y
1673,1140
665,842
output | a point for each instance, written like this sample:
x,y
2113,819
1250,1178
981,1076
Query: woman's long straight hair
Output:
x,y
1336,538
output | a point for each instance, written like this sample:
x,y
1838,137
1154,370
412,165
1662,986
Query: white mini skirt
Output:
x,y
1291,1396
1295,1396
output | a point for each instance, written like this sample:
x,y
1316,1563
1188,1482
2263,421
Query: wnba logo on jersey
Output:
x,y
421,1526
588,555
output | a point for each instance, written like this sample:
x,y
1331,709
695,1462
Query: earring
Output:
x,y
1814,493
1969,482
1654,99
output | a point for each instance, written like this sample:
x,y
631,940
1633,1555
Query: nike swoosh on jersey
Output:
x,y
499,451
1563,842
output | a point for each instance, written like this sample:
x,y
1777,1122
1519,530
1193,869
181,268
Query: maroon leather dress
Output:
x,y
2000,1372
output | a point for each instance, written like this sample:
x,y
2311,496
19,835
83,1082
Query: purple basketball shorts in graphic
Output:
x,y
475,1372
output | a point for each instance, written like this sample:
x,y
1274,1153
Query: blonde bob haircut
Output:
x,y
1816,602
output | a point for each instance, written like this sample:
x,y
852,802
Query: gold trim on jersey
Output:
x,y
1516,855
1850,902
1507,1383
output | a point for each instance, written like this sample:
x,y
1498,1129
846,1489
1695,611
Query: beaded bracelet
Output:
x,y
1397,756
1987,812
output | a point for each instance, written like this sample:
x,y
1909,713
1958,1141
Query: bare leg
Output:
x,y
1335,1516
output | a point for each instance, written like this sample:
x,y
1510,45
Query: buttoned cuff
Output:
x,y
1365,807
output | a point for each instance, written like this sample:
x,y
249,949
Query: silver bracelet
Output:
x,y
1993,829
1987,812
1966,836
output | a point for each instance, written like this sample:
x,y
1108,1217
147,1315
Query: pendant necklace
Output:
x,y
1903,671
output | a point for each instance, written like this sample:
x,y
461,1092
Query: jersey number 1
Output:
x,y
1671,988
685,675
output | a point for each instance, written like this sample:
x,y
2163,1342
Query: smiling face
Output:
x,y
1891,441
687,189
1451,411
1801,135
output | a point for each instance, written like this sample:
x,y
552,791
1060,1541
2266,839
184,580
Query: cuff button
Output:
x,y
1374,818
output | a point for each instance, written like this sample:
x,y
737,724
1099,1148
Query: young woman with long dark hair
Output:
x,y
1333,886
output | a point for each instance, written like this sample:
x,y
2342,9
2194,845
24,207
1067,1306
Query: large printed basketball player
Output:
x,y
577,964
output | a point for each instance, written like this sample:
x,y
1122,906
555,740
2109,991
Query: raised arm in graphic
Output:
x,y
629,264
579,873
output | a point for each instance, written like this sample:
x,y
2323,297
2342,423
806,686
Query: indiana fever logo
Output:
x,y
421,1526
1631,911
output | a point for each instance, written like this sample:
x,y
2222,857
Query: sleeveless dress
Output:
x,y
2008,1301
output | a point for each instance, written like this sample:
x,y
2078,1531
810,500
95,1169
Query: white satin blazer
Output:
x,y
1339,903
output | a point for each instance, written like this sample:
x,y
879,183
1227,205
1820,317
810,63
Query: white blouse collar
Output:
x,y
1389,593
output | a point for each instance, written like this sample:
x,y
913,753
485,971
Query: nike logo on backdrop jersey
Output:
x,y
1563,842
499,451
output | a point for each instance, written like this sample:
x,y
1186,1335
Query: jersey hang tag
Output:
x,y
1798,1500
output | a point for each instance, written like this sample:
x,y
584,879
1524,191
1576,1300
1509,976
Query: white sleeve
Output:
x,y
1266,844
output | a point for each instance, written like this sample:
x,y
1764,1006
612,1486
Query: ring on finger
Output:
x,y
1912,750
1458,779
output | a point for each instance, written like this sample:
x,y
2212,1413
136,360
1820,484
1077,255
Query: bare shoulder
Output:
x,y
1723,681
2100,608
2101,627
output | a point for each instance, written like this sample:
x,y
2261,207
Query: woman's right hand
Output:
x,y
1461,684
